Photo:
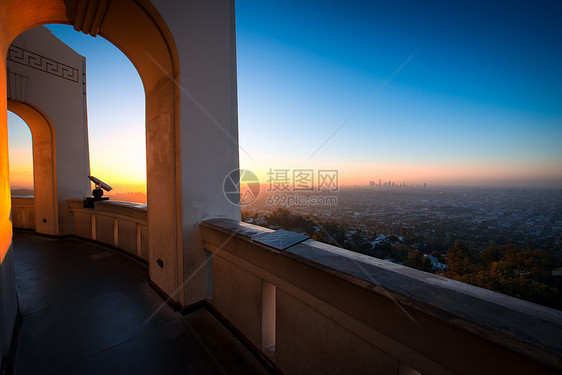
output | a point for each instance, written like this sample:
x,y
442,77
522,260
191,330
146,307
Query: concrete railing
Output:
x,y
119,224
318,309
23,212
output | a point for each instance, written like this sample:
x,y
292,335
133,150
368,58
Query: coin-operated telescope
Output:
x,y
97,193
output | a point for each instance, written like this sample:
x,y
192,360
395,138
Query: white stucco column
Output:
x,y
204,33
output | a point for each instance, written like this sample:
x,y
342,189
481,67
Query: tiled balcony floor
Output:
x,y
87,309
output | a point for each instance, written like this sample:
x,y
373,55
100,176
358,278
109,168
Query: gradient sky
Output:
x,y
116,115
438,92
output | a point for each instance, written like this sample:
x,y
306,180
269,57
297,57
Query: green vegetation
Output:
x,y
525,274
508,269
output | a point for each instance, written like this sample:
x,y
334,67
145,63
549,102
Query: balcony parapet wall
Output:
x,y
119,224
316,308
23,212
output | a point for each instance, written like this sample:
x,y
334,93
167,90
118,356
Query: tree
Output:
x,y
460,260
502,279
490,255
416,260
539,264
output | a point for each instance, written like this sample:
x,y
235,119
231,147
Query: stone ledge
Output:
x,y
124,210
523,327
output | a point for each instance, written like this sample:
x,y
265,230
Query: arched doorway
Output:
x,y
137,29
44,166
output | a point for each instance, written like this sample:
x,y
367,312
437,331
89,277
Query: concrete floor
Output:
x,y
87,309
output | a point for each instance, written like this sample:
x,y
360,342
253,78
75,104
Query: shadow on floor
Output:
x,y
87,309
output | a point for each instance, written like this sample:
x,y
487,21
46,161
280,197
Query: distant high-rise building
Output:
x,y
372,184
424,185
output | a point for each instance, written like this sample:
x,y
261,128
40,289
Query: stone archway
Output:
x,y
44,166
136,28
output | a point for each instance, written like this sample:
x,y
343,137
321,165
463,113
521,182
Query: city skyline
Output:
x,y
447,94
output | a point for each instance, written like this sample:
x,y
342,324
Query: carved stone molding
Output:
x,y
42,63
17,86
87,15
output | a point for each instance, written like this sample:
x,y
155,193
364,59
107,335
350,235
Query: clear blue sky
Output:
x,y
478,102
483,91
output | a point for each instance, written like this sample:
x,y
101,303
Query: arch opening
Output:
x,y
21,156
115,115
137,29
44,167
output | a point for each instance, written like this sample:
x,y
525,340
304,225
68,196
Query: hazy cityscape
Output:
x,y
421,227
425,218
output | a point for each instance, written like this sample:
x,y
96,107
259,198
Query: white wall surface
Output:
x,y
60,93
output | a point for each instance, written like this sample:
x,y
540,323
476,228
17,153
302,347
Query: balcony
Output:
x,y
87,309
316,308
312,308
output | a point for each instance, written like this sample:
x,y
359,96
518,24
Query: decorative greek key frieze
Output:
x,y
42,63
